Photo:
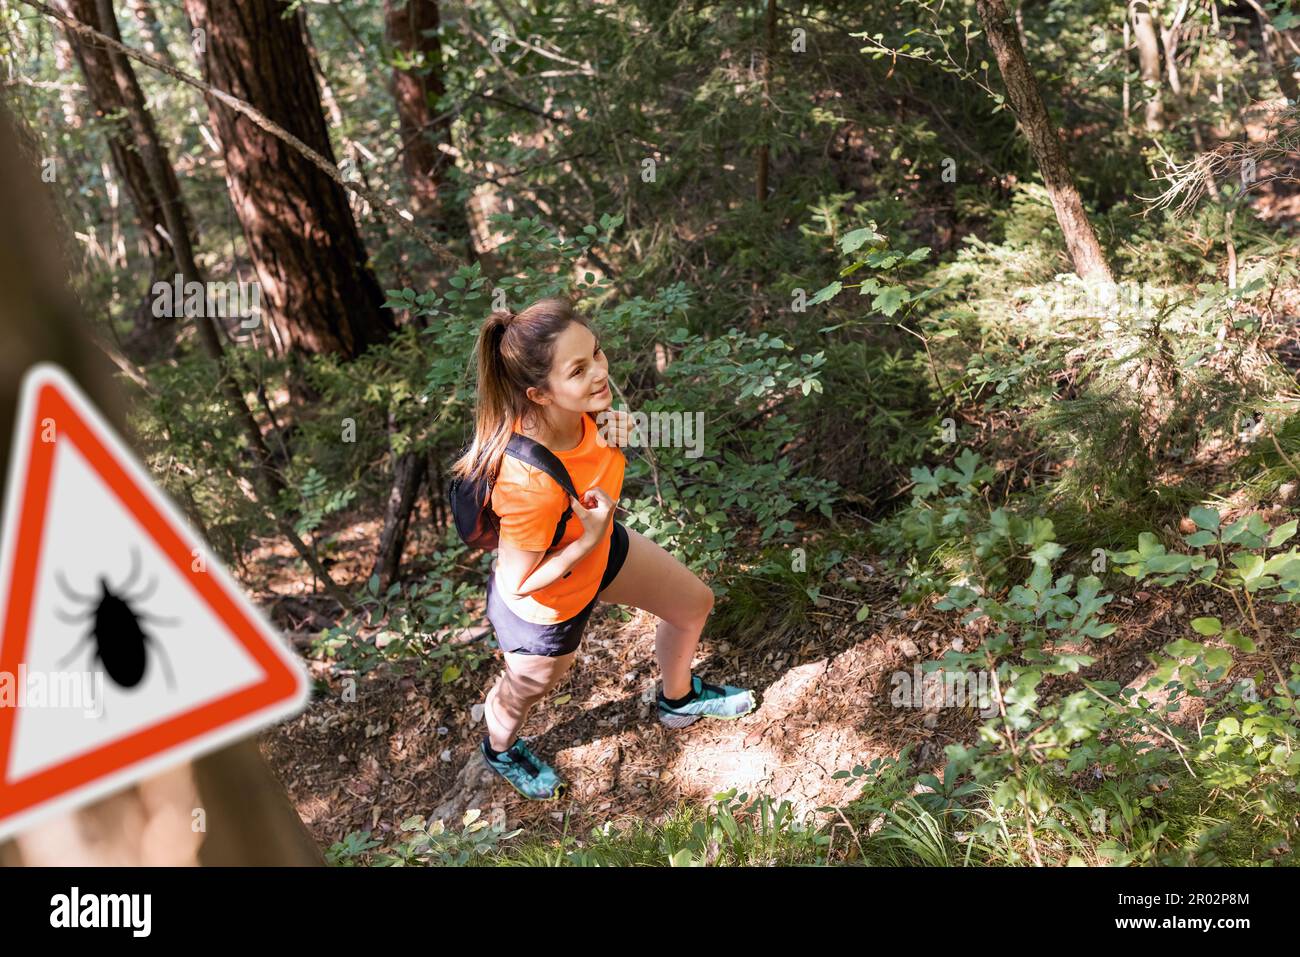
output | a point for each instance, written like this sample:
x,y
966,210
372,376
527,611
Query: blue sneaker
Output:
x,y
527,773
708,701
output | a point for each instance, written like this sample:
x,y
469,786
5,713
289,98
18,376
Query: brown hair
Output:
x,y
515,351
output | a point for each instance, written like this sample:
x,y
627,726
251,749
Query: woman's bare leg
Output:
x,y
651,579
525,681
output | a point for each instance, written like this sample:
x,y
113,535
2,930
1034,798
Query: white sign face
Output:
x,y
125,647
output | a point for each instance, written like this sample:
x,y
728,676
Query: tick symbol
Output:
x,y
119,642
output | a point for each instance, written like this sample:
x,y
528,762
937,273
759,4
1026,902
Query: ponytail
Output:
x,y
514,352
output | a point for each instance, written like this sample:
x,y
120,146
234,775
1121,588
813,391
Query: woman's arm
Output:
x,y
523,572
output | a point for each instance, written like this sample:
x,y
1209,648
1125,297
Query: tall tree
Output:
x,y
409,471
269,481
769,50
318,290
1169,33
115,104
1027,102
411,30
417,82
1148,47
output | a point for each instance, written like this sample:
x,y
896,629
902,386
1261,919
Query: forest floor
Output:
x,y
408,746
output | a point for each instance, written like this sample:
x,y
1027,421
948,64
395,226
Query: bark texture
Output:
x,y
1027,102
318,290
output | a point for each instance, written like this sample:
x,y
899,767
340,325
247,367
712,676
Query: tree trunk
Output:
x,y
1169,42
106,99
249,818
1128,29
764,154
411,30
1148,44
317,287
437,493
144,134
155,43
763,157
409,470
63,62
1027,101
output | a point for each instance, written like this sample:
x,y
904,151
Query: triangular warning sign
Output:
x,y
125,646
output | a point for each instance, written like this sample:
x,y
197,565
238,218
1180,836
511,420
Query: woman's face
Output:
x,y
579,379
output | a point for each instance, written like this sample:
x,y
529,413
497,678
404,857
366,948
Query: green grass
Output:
x,y
1185,824
729,831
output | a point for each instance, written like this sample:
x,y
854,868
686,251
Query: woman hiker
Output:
x,y
542,373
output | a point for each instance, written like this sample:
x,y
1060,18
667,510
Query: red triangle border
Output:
x,y
279,684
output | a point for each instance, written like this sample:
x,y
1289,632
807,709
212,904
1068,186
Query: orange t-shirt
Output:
x,y
529,504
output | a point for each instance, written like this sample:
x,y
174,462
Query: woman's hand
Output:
x,y
616,428
595,511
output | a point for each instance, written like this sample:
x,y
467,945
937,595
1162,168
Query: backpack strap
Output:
x,y
539,456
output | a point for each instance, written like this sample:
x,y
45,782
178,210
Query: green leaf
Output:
x,y
889,299
1285,565
1239,641
1207,626
1169,563
1046,553
1219,658
1149,545
1182,648
856,239
825,293
1250,566
1206,518
1249,532
1282,533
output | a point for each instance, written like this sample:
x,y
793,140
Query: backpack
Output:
x,y
471,501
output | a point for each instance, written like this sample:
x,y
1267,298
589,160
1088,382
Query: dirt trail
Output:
x,y
607,741
405,747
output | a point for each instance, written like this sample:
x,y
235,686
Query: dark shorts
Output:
x,y
524,637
